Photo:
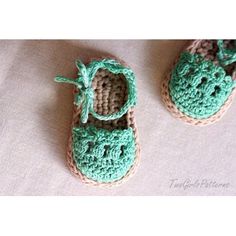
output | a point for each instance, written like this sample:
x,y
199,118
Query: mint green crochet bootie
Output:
x,y
202,83
103,148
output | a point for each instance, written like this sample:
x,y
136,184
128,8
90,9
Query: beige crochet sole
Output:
x,y
176,112
110,95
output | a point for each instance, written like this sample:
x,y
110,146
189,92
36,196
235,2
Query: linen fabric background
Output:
x,y
36,112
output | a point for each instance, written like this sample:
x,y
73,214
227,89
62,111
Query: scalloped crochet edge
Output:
x,y
171,107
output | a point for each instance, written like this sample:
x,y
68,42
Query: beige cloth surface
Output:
x,y
35,117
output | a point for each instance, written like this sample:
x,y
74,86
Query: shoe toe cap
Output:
x,y
101,155
199,88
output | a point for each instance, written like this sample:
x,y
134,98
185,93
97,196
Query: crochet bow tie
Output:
x,y
226,56
85,95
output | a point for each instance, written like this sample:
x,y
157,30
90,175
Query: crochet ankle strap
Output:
x,y
85,96
226,56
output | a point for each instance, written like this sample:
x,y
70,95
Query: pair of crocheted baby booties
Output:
x,y
103,146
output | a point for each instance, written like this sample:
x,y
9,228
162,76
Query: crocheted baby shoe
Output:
x,y
103,149
201,86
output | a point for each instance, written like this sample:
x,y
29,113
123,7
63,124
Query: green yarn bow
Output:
x,y
226,56
86,94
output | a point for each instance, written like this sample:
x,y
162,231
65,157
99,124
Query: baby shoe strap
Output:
x,y
85,96
226,56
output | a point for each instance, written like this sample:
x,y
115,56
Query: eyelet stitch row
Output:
x,y
198,87
102,155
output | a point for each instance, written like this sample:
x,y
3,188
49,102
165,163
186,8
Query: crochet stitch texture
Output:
x,y
103,147
85,95
198,86
103,155
226,56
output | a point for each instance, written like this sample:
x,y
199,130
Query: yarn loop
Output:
x,y
85,95
103,152
226,56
